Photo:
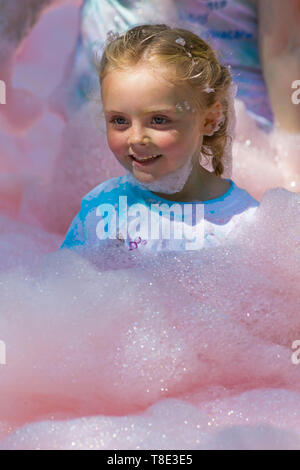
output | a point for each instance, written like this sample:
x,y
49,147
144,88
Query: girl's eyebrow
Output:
x,y
147,111
166,110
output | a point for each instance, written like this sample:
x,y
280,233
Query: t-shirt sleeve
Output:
x,y
82,233
75,236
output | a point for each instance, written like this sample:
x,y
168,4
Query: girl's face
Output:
x,y
147,116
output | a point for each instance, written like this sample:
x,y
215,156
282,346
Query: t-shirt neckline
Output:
x,y
150,195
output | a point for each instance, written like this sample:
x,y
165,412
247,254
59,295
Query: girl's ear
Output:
x,y
212,118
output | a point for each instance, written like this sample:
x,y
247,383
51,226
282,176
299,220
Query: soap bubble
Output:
x,y
180,41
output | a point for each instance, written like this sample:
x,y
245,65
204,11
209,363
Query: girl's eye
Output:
x,y
113,120
161,118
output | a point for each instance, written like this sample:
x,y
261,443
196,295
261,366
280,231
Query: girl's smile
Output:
x,y
144,161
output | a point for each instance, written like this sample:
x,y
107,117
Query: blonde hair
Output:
x,y
189,60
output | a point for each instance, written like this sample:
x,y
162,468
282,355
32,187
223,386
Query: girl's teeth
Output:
x,y
147,158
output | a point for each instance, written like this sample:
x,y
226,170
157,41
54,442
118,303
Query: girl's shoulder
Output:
x,y
235,202
105,190
239,200
242,196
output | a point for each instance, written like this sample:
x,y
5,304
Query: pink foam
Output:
x,y
120,351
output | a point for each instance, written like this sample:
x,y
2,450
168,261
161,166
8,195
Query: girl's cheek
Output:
x,y
168,140
116,143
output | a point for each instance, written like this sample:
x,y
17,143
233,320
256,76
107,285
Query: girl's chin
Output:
x,y
143,176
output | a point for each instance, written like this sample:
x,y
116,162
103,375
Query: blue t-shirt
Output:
x,y
122,211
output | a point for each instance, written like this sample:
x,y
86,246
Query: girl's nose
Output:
x,y
137,136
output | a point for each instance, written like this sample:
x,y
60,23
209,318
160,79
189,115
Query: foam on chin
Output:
x,y
172,182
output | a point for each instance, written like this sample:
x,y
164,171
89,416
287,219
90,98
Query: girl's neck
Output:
x,y
201,185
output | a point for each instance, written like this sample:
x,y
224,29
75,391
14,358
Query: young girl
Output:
x,y
168,107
